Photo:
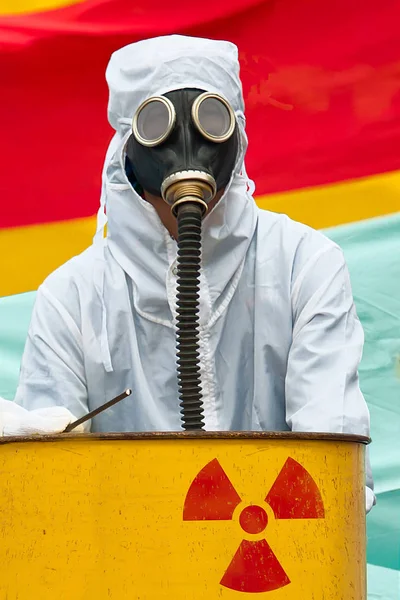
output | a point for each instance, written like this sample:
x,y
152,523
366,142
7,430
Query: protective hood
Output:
x,y
135,235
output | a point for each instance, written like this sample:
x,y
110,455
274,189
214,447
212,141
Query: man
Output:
x,y
280,341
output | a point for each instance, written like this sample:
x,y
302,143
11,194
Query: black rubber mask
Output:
x,y
184,130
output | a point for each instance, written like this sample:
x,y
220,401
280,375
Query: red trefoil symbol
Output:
x,y
293,495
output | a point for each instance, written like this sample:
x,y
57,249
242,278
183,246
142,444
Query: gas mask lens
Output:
x,y
153,121
213,117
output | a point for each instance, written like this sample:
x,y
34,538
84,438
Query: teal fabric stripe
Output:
x,y
383,584
372,250
15,313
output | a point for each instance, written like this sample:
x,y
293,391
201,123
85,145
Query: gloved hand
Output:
x,y
16,420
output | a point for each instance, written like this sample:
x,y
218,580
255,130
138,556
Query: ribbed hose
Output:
x,y
189,216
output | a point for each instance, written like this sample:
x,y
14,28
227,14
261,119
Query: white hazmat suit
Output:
x,y
279,335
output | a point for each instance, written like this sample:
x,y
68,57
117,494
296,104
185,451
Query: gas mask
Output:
x,y
185,142
184,146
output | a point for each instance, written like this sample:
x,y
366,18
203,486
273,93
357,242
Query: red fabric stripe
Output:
x,y
321,85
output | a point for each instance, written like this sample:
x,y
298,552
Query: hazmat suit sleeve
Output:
x,y
322,385
52,368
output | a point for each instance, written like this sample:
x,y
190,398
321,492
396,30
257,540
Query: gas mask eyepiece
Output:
x,y
156,117
154,121
213,117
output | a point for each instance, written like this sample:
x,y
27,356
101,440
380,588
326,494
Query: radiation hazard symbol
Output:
x,y
293,495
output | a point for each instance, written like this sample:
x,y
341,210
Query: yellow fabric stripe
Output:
x,y
17,7
335,204
29,254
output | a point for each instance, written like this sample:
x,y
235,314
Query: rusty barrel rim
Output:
x,y
193,435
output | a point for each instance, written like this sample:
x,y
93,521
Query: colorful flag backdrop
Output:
x,y
322,92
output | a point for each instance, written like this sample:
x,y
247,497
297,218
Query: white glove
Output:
x,y
370,499
16,420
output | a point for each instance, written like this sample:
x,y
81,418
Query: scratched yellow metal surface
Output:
x,y
102,519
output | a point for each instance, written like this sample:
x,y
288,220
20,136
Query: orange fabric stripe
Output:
x,y
21,7
31,253
330,205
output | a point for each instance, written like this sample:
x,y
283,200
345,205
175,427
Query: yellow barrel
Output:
x,y
182,516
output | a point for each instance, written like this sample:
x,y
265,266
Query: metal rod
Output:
x,y
98,410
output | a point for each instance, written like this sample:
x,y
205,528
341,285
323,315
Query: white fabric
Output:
x,y
280,339
16,420
370,499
